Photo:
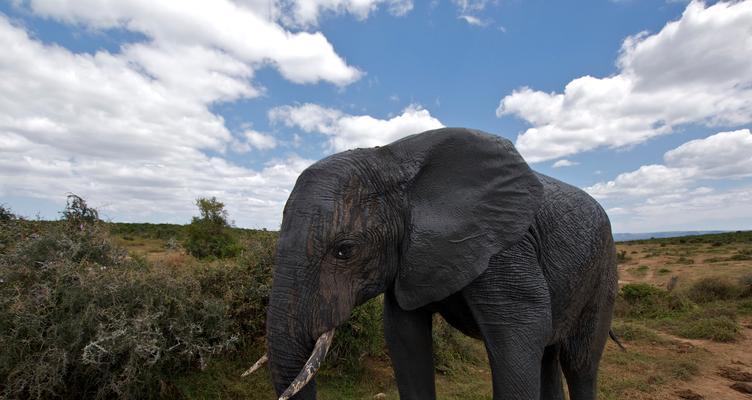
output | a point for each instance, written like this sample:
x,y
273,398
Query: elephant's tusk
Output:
x,y
311,366
261,361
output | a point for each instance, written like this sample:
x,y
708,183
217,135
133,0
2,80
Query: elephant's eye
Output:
x,y
343,250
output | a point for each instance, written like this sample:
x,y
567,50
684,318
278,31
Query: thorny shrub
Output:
x,y
79,319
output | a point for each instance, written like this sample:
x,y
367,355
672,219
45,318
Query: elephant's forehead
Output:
x,y
323,189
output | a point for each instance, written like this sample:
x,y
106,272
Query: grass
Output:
x,y
640,271
705,310
645,367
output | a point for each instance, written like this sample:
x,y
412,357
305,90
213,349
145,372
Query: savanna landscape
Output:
x,y
191,128
92,309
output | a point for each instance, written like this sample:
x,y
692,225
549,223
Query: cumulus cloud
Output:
x,y
714,209
260,140
97,125
237,30
676,190
133,129
564,163
350,131
307,13
254,140
725,155
690,72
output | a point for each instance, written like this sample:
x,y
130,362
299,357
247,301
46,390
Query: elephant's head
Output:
x,y
422,215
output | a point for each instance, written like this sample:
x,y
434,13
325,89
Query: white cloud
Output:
x,y
564,163
725,155
675,193
131,129
260,140
468,10
96,125
239,32
726,210
475,21
306,13
647,180
689,72
350,131
466,6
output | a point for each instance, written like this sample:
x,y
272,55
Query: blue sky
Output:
x,y
141,107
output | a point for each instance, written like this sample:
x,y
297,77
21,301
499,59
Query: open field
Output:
x,y
125,305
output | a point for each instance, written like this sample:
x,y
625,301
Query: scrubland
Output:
x,y
90,309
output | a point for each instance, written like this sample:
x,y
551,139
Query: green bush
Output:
x,y
639,293
642,300
714,323
742,255
450,347
711,289
147,230
8,230
745,283
632,332
209,235
360,336
6,214
79,319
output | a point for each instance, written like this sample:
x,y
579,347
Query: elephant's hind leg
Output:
x,y
551,387
581,351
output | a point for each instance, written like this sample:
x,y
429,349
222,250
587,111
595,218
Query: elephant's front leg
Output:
x,y
408,335
511,305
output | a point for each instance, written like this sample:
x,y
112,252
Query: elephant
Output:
x,y
450,221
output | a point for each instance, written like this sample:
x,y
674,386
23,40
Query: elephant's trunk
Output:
x,y
294,353
311,366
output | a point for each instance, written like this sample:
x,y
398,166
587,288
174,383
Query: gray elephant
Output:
x,y
449,221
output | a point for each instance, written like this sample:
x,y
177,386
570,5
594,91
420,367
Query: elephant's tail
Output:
x,y
615,338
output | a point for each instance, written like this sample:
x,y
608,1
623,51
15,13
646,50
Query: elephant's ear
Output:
x,y
470,196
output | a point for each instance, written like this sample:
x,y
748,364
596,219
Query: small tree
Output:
x,y
209,235
6,214
78,214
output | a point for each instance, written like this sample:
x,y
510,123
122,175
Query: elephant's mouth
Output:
x,y
309,369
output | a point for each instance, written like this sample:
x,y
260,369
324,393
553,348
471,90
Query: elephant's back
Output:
x,y
567,212
575,246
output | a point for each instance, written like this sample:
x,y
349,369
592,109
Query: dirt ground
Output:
x,y
709,383
660,264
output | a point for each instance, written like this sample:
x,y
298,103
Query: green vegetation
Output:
x,y
209,235
83,317
640,271
80,319
707,309
711,289
713,239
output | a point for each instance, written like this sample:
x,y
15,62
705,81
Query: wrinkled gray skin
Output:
x,y
450,221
